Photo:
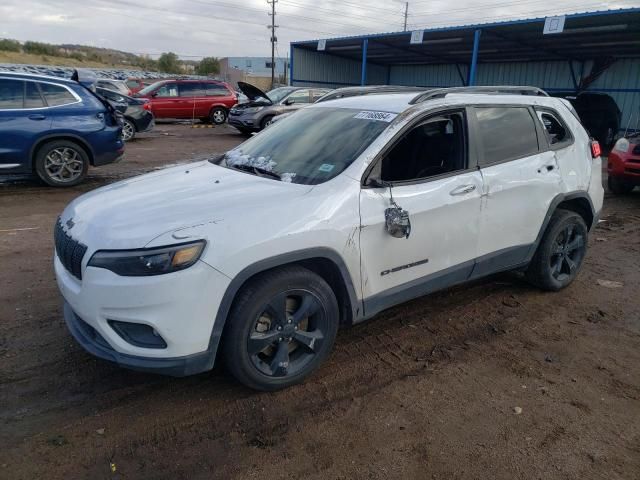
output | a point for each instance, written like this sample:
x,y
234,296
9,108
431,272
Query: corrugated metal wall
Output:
x,y
619,80
311,68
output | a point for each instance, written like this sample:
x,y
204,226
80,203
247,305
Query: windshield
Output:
x,y
310,146
278,94
150,88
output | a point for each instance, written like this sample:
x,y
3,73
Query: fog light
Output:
x,y
138,334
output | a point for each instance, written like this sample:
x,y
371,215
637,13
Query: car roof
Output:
x,y
399,102
383,102
31,76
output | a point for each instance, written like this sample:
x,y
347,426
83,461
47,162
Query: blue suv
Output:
x,y
55,128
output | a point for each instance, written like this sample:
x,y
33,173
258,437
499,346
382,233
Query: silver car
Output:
x,y
262,107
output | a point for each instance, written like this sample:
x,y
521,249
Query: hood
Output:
x,y
253,93
132,213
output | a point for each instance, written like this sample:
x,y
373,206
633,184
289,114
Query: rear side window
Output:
x,y
32,97
557,133
55,95
11,94
192,89
214,90
506,133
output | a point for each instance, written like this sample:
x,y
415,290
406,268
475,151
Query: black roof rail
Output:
x,y
501,90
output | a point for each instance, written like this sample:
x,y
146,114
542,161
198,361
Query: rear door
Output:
x,y
23,119
194,102
520,177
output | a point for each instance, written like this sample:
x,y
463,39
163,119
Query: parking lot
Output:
x,y
489,380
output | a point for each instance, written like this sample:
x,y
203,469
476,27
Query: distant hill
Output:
x,y
12,51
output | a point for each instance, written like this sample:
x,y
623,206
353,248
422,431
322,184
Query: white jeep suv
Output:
x,y
342,210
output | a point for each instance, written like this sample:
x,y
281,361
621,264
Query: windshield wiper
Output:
x,y
261,172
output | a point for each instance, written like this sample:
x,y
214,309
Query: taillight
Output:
x,y
595,149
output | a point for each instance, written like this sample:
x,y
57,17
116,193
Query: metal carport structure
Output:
x,y
595,51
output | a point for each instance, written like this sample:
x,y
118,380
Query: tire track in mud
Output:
x,y
409,340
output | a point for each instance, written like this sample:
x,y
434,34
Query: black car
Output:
x,y
598,112
136,116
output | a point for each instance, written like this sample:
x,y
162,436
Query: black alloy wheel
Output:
x,y
282,326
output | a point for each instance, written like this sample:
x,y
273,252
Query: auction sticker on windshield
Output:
x,y
380,116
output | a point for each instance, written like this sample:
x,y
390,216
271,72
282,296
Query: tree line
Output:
x,y
168,62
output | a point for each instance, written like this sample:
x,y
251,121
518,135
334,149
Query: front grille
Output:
x,y
70,251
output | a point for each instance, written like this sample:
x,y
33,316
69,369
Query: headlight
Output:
x,y
253,109
148,261
622,145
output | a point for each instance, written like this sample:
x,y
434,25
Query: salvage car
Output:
x,y
599,113
207,100
55,128
115,85
262,108
623,165
136,113
346,208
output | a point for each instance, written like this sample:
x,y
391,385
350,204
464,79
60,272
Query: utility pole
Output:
x,y
406,14
274,39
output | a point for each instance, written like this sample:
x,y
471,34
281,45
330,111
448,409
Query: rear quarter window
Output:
x,y
505,133
56,95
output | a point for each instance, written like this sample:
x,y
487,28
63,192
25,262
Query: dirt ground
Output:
x,y
493,380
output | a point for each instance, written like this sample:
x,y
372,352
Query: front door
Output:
x,y
428,173
166,102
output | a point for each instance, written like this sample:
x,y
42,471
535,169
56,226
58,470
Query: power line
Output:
x,y
329,10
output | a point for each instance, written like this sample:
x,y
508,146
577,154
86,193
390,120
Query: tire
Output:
x,y
268,343
266,121
218,115
561,252
128,130
61,163
244,131
618,186
608,136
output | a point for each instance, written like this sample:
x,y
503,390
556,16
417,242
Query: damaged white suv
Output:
x,y
326,218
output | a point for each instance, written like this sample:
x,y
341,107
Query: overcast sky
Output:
x,y
196,28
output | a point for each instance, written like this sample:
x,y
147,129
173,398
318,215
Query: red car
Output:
x,y
208,100
623,164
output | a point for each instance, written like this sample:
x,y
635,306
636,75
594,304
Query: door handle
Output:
x,y
37,117
462,190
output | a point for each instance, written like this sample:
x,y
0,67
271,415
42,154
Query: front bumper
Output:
x,y
180,307
89,338
625,166
243,122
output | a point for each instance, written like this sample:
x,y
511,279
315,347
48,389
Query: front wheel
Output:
x,y
61,163
218,116
281,328
266,121
561,252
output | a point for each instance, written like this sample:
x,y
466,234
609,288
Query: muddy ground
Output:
x,y
427,390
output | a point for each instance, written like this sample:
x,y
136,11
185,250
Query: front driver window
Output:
x,y
433,148
301,96
168,90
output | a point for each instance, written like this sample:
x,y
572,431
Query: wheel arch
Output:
x,y
59,136
578,202
323,261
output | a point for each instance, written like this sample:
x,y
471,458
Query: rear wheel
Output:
x,y
618,186
281,328
128,130
218,115
61,163
559,256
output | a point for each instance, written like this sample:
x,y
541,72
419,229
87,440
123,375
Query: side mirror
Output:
x,y
289,101
397,222
154,94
